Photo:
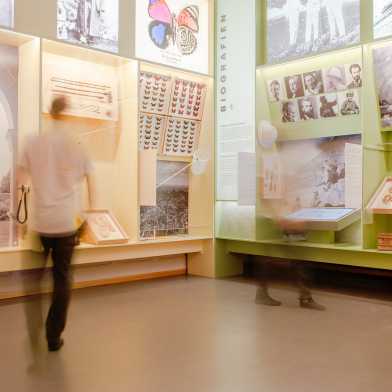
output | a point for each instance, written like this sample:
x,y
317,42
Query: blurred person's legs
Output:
x,y
262,295
62,250
301,275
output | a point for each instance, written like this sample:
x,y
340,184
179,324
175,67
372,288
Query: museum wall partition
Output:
x,y
139,78
317,154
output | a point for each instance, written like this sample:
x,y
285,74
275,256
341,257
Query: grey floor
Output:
x,y
202,335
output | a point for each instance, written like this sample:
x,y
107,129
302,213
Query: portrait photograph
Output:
x,y
354,75
308,109
313,83
382,58
335,78
349,104
328,105
294,86
290,112
297,28
93,23
276,90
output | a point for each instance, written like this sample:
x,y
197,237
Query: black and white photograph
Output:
x,y
294,86
94,23
170,215
354,75
297,28
290,112
7,13
335,78
8,127
328,105
382,18
382,58
349,103
276,91
313,83
308,109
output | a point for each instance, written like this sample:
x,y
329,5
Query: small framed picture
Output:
x,y
313,83
328,105
335,79
276,92
102,228
294,86
349,103
308,109
290,112
354,75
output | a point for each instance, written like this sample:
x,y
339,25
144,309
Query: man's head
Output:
x,y
309,80
59,105
293,84
307,106
355,71
290,111
275,89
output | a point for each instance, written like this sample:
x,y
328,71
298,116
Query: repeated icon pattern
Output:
x,y
151,127
170,114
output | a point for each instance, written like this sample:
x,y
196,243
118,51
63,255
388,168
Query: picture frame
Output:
x,y
381,202
102,228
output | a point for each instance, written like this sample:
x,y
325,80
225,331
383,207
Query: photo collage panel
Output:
x,y
171,111
323,93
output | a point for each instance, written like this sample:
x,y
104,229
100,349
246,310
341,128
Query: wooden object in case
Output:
x,y
381,202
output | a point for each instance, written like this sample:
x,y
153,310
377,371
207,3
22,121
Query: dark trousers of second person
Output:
x,y
62,249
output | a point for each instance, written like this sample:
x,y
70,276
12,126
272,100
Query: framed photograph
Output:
x,y
170,216
308,108
7,13
328,105
335,79
313,83
290,112
93,23
297,28
102,228
276,91
382,58
294,86
8,142
381,202
354,75
349,104
382,18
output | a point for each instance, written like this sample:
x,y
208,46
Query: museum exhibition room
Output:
x,y
195,195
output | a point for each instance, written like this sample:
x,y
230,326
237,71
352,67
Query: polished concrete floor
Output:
x,y
201,335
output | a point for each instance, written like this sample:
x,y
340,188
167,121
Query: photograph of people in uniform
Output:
x,y
297,28
313,83
349,103
290,112
294,86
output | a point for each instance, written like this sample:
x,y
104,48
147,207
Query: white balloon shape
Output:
x,y
267,134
